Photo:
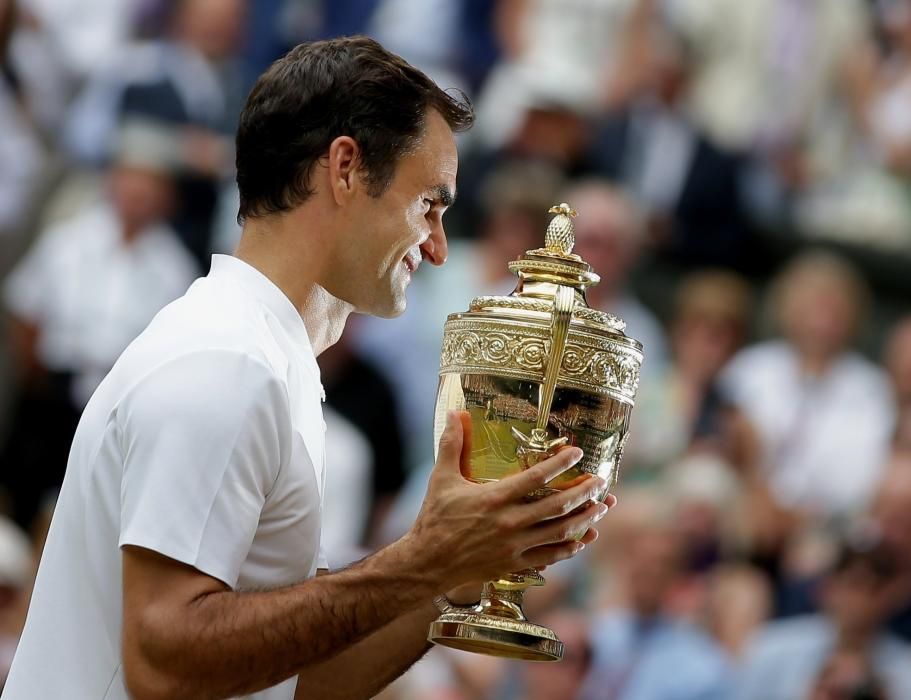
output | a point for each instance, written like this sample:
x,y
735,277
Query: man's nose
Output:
x,y
435,249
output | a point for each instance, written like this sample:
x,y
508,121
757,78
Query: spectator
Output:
x,y
86,288
844,646
640,652
555,58
823,414
84,33
712,313
779,78
190,81
689,186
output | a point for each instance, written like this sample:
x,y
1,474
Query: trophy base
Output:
x,y
495,636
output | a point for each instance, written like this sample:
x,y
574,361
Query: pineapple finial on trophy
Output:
x,y
559,237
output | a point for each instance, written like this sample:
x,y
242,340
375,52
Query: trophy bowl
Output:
x,y
535,370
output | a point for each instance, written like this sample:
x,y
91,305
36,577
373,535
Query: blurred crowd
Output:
x,y
742,173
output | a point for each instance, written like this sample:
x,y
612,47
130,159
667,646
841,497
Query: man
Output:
x,y
180,558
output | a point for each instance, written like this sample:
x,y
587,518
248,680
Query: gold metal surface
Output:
x,y
535,370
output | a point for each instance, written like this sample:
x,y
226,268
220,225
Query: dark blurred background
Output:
x,y
742,172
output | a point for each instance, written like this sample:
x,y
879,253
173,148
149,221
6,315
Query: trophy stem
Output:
x,y
497,625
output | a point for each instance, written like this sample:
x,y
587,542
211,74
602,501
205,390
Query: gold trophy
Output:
x,y
535,370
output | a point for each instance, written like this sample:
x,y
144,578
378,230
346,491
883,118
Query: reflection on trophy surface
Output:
x,y
535,370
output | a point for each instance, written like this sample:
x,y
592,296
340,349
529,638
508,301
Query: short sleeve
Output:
x,y
204,438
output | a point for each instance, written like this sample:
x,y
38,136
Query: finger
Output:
x,y
548,554
536,477
450,447
568,527
559,504
590,536
610,500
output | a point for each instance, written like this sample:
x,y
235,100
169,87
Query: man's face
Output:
x,y
388,236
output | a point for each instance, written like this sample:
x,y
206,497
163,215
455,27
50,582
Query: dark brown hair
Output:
x,y
322,90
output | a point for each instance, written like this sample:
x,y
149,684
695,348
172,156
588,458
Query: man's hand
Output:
x,y
476,532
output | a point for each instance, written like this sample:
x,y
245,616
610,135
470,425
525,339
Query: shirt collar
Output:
x,y
265,290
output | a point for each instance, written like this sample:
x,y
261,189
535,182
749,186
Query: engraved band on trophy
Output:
x,y
535,370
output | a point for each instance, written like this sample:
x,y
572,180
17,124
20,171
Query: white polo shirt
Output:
x,y
205,443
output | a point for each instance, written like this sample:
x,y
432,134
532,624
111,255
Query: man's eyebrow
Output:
x,y
443,195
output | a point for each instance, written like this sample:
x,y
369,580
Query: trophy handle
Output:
x,y
536,446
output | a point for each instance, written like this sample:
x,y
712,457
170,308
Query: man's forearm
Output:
x,y
365,669
227,643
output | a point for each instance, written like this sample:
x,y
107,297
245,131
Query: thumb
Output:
x,y
449,452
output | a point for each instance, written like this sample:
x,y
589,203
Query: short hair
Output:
x,y
319,91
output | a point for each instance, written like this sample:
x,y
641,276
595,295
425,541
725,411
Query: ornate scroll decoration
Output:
x,y
589,363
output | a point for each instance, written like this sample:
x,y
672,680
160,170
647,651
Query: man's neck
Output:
x,y
269,246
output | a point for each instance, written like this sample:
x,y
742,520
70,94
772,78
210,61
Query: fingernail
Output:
x,y
578,548
575,455
602,511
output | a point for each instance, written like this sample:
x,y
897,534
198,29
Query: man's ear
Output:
x,y
343,161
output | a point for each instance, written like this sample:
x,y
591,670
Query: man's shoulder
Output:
x,y
201,329
206,317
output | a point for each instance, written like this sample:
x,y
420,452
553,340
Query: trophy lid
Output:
x,y
543,270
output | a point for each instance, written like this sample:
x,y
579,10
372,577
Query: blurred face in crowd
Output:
x,y
703,343
561,680
214,27
605,234
387,236
856,599
818,313
557,135
140,196
652,565
512,231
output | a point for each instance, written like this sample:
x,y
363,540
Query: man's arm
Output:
x,y
386,654
187,635
362,671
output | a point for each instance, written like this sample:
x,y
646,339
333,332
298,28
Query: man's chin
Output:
x,y
393,308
